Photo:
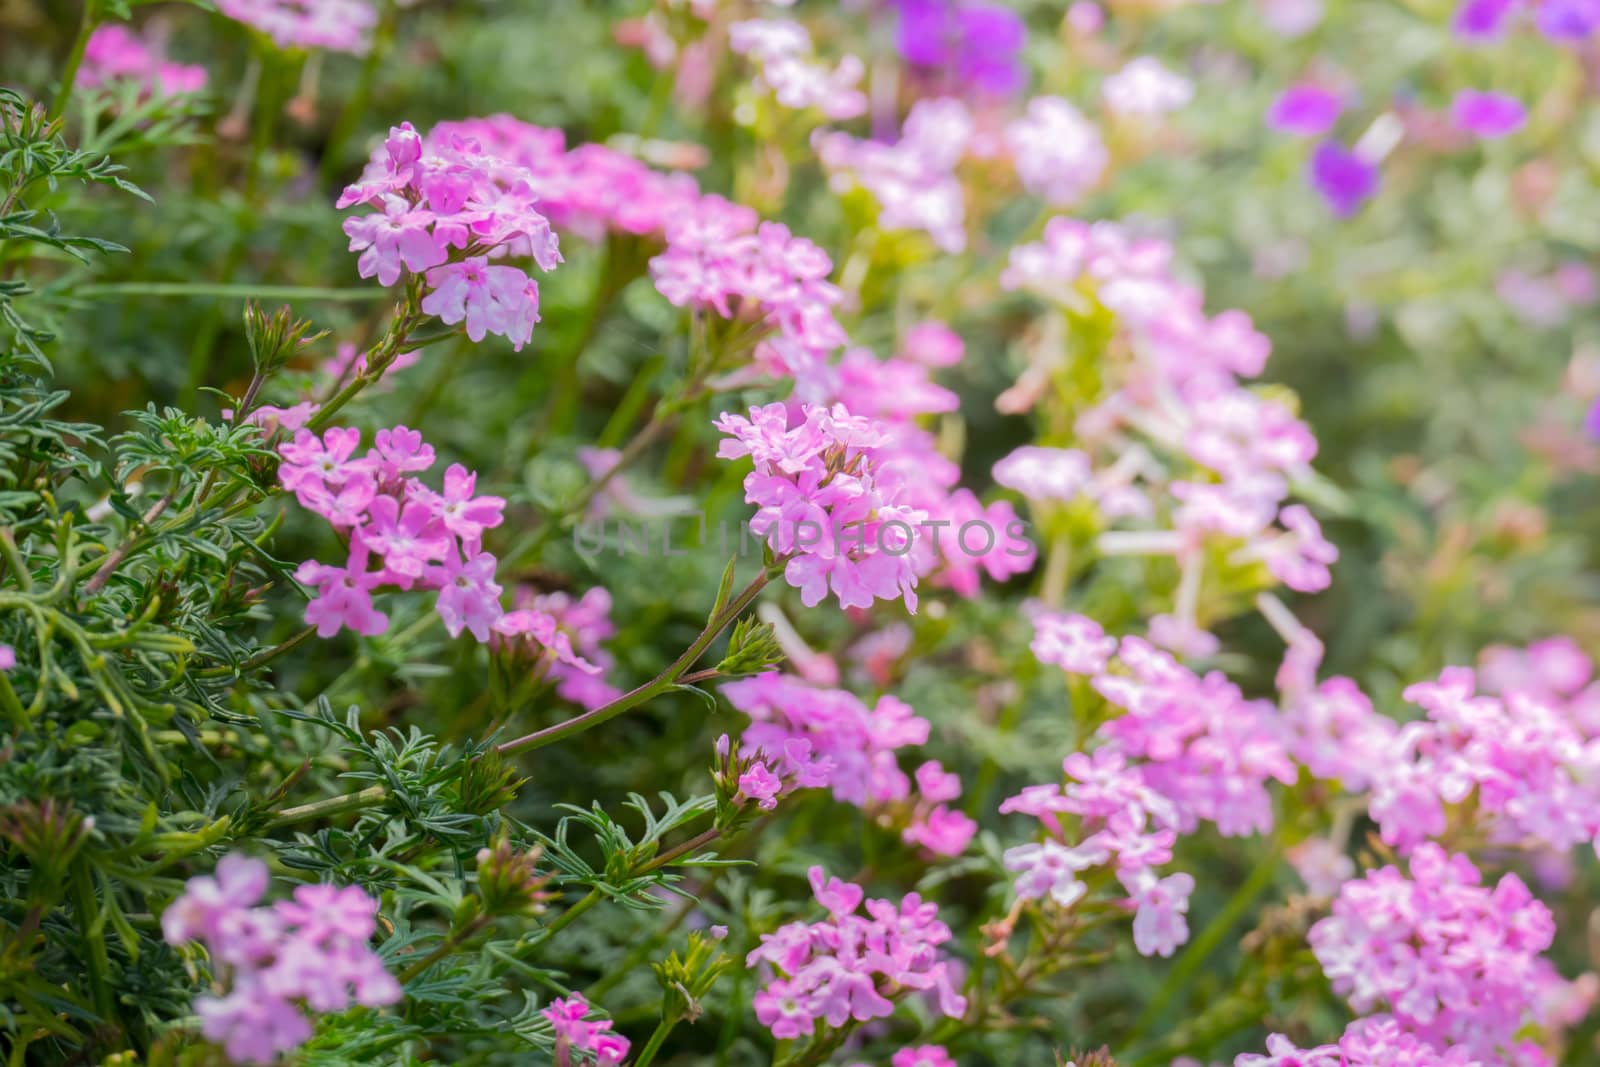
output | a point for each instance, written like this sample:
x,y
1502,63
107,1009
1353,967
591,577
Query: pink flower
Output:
x,y
577,1034
761,785
1159,926
1075,643
463,513
491,299
344,595
1487,115
922,1056
312,950
336,25
115,54
1059,154
1049,870
468,596
1305,110
398,237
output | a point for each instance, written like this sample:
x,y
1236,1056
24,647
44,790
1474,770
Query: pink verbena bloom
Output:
x,y
8,658
933,344
573,631
114,54
344,595
1145,87
334,25
822,505
1281,1052
1075,643
1452,961
399,236
1159,926
788,67
1305,110
1487,115
491,299
847,967
829,738
1059,155
590,1039
446,209
922,1056
913,180
1050,870
420,538
277,961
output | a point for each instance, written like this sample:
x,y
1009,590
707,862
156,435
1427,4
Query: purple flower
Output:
x,y
1568,20
1591,421
976,42
1343,178
1482,20
1305,111
1487,115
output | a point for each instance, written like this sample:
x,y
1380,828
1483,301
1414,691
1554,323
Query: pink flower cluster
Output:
x,y
310,952
789,69
578,625
1058,153
116,54
822,506
1449,960
588,190
1203,746
814,737
961,538
913,181
451,213
1177,448
1118,820
332,25
1534,773
849,967
581,1040
721,257
420,537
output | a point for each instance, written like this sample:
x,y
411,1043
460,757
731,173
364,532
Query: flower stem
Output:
x,y
657,1039
657,685
80,43
331,806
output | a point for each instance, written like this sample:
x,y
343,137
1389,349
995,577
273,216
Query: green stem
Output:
x,y
657,685
456,939
366,798
565,919
657,1039
80,43
698,841
261,659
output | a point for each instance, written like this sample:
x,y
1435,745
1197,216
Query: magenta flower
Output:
x,y
589,1039
491,299
1345,180
344,595
847,967
1159,926
1305,110
1487,115
468,596
408,537
974,43
399,237
463,513
1483,20
277,960
922,1056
